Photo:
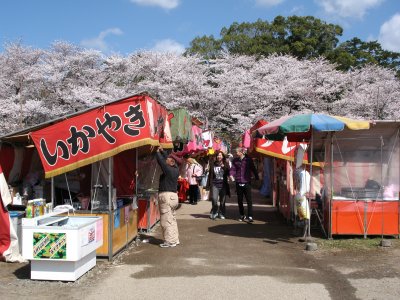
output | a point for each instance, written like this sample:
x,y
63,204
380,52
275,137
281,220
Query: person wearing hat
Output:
x,y
168,197
242,167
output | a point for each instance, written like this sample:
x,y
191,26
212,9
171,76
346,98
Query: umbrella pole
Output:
x,y
311,170
331,189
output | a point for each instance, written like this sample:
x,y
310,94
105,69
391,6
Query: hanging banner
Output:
x,y
196,141
195,144
207,137
101,133
280,149
219,145
181,125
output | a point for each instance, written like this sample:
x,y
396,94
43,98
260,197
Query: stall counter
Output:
x,y
365,217
123,225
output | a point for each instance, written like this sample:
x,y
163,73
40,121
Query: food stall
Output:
x,y
278,160
89,160
361,191
360,160
280,157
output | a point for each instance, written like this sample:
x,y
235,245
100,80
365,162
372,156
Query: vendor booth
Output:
x,y
279,167
360,180
278,159
362,171
90,161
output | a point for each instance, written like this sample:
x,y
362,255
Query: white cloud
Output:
x,y
348,8
99,42
268,2
169,46
389,34
167,4
297,10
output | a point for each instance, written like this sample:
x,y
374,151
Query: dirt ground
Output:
x,y
229,260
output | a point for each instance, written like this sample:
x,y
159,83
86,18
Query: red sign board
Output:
x,y
101,133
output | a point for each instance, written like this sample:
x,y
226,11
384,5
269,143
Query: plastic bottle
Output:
x,y
18,198
25,197
36,209
29,211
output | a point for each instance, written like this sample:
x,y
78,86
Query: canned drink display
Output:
x,y
38,207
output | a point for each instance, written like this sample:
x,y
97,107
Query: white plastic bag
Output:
x,y
303,210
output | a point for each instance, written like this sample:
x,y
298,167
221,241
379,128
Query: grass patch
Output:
x,y
354,243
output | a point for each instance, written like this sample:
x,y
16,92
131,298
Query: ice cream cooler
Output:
x,y
61,247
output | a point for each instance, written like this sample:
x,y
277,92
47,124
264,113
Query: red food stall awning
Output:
x,y
101,133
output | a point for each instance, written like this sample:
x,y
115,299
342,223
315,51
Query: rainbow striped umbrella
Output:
x,y
299,127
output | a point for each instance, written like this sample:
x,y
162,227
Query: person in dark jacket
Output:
x,y
168,198
217,184
242,167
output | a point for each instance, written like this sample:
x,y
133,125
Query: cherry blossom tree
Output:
x,y
18,72
231,92
372,92
71,78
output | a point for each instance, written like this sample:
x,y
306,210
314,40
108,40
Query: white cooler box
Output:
x,y
61,247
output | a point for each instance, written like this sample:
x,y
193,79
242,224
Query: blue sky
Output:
x,y
126,26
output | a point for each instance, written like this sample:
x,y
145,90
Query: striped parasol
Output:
x,y
299,127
